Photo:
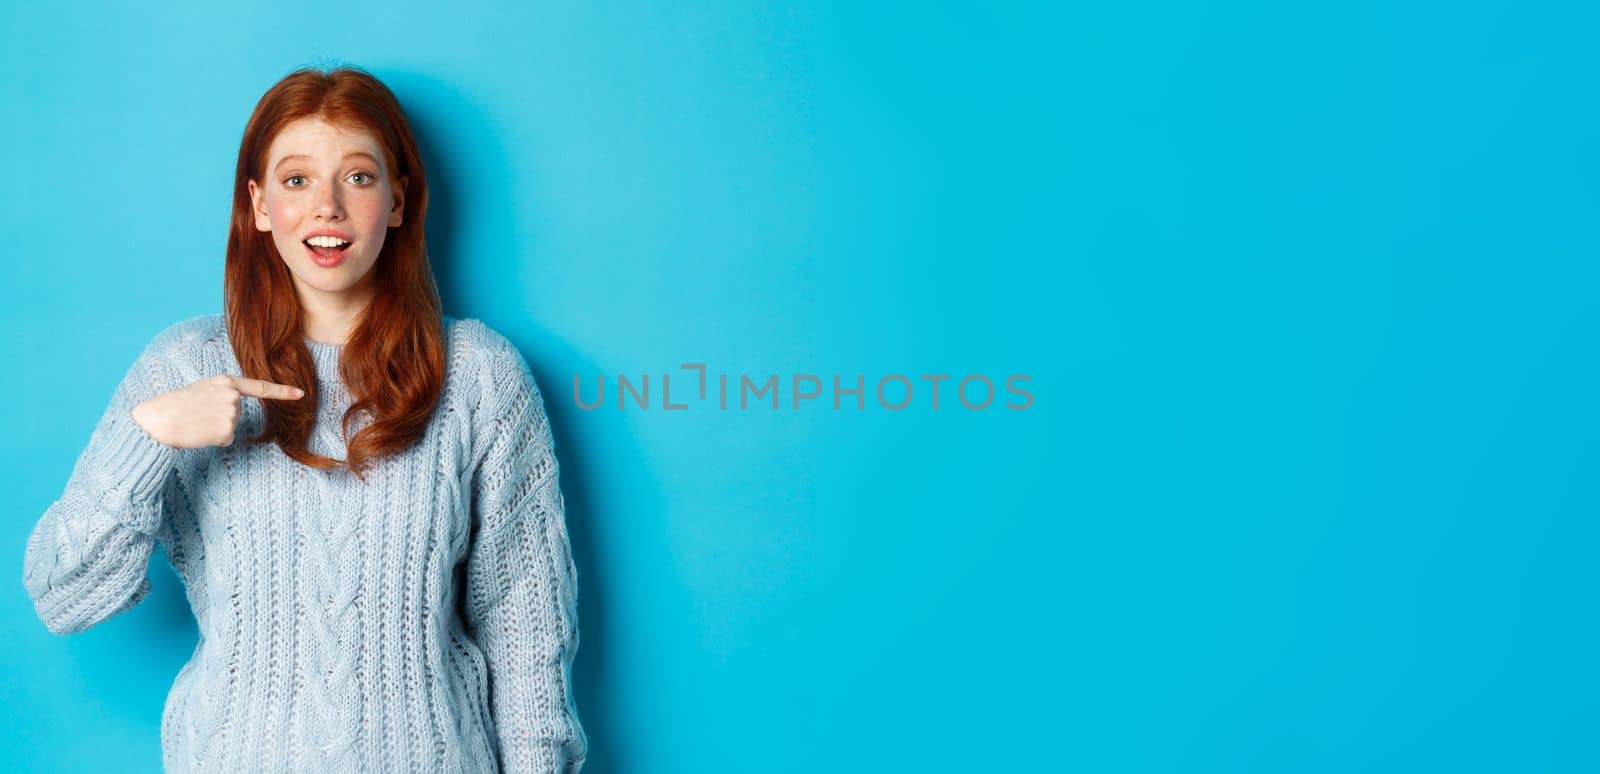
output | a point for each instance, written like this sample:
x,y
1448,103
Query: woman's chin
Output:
x,y
340,279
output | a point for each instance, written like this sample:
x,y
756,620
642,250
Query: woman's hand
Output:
x,y
205,413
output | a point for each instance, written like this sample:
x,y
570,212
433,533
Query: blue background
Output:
x,y
1306,294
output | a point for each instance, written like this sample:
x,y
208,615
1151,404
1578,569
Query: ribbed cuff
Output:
x,y
130,461
543,758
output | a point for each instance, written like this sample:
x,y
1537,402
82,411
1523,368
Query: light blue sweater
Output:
x,y
423,622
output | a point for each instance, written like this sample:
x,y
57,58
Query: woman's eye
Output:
x,y
289,181
362,174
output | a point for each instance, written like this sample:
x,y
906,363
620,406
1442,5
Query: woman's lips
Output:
x,y
328,261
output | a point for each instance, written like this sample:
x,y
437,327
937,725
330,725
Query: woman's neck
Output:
x,y
330,318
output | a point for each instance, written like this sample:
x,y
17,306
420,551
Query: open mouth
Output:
x,y
327,251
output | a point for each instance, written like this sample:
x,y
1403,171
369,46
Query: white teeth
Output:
x,y
326,241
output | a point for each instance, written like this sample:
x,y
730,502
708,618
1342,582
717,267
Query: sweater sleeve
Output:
x,y
521,584
87,558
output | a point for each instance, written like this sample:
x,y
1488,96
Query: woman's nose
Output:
x,y
328,204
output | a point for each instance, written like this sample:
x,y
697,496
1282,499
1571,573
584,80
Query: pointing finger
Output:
x,y
261,388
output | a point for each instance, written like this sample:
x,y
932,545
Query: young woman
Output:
x,y
360,493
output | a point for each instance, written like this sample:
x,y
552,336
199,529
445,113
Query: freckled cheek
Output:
x,y
367,210
284,213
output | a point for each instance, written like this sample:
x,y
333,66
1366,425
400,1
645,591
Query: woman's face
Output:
x,y
323,181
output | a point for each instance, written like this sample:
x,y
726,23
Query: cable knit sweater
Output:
x,y
425,621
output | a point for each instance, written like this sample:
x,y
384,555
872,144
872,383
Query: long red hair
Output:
x,y
394,360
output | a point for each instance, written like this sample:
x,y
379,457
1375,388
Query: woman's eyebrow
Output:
x,y
364,154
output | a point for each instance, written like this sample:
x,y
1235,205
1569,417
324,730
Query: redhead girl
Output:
x,y
359,492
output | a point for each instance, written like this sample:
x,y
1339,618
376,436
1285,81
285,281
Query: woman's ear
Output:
x,y
259,208
397,215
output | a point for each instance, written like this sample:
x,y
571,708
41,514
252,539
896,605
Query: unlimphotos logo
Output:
x,y
894,392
